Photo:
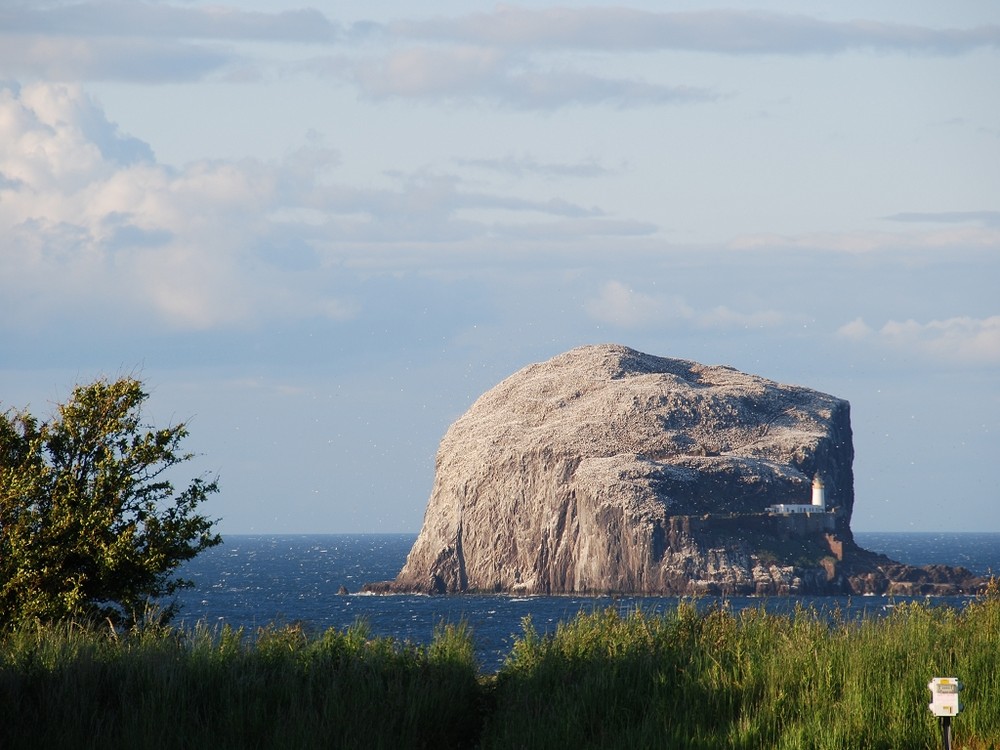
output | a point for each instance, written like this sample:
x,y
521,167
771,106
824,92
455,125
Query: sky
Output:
x,y
318,232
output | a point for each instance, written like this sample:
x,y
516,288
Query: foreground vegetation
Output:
x,y
750,680
90,525
715,679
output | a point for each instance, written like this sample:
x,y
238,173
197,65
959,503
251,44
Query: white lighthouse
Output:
x,y
819,494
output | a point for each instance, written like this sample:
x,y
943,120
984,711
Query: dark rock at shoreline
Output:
x,y
606,470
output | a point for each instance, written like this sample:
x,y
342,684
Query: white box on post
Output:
x,y
944,696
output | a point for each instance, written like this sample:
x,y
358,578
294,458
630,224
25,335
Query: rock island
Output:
x,y
606,470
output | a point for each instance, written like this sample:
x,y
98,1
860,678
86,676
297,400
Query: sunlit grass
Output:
x,y
750,680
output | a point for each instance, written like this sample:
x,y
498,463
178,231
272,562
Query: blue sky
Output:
x,y
319,232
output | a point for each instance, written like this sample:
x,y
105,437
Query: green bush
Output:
x,y
90,525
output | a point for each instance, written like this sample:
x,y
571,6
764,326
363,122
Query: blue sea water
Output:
x,y
252,581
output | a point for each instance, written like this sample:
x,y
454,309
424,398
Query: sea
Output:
x,y
252,582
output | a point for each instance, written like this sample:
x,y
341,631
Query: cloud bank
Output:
x,y
510,57
141,41
725,31
92,222
960,340
116,18
486,74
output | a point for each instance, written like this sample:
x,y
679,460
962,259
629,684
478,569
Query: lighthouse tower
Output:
x,y
819,494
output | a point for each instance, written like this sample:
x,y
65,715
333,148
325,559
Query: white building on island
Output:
x,y
818,504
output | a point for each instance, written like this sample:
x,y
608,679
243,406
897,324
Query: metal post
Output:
x,y
946,731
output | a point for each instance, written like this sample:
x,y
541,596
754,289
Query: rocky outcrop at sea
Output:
x,y
606,470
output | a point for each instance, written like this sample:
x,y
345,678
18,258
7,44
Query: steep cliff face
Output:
x,y
608,470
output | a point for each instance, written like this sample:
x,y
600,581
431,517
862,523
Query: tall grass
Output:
x,y
750,680
72,687
686,679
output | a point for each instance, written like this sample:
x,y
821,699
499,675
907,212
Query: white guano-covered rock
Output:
x,y
608,470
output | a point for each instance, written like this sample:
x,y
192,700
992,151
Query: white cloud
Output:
x,y
52,136
962,340
856,330
489,74
427,72
621,305
94,226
